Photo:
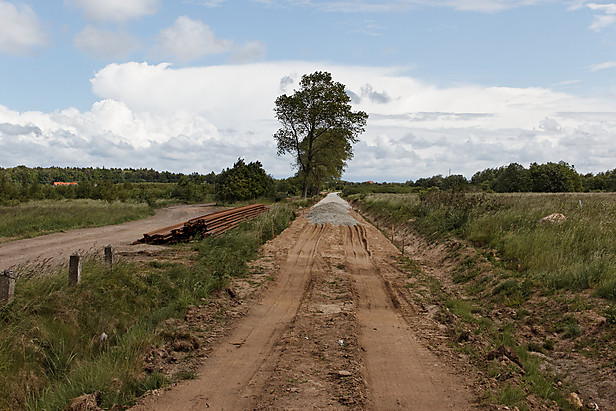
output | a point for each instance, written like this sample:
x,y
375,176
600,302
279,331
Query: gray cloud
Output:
x,y
375,96
355,99
419,143
285,82
432,116
105,44
9,129
588,115
251,51
550,125
425,152
441,116
180,153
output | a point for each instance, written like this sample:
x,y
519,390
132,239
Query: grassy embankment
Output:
x,y
50,350
577,254
555,279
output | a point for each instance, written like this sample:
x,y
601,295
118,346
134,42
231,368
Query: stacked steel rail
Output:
x,y
209,224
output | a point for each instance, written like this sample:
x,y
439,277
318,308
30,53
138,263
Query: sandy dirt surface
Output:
x,y
56,248
328,333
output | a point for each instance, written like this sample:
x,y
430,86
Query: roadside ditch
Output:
x,y
526,348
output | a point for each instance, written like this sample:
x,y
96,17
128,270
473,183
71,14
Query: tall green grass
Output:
x,y
50,348
46,216
577,254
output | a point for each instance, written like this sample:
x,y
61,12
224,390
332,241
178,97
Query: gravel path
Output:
x,y
332,210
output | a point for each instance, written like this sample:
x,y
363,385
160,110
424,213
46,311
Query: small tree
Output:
x,y
513,179
455,182
554,178
318,128
243,182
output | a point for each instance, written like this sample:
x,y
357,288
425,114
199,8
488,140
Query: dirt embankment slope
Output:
x,y
326,334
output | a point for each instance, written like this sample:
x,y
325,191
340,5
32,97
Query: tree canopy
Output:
x,y
243,182
319,128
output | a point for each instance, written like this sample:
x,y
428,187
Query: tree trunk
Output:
x,y
306,177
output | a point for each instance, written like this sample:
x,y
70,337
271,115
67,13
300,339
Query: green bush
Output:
x,y
243,182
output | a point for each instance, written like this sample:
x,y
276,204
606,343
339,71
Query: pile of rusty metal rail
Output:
x,y
209,224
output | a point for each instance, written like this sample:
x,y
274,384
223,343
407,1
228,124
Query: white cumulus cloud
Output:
x,y
20,29
105,44
204,118
189,40
115,10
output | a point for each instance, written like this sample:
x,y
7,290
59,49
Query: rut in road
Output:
x,y
326,335
239,366
400,373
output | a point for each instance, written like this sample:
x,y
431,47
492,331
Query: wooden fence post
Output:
x,y
7,287
109,257
74,269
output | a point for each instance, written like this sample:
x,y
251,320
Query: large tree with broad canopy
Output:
x,y
318,128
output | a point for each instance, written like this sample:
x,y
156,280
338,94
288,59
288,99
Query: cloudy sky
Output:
x,y
451,86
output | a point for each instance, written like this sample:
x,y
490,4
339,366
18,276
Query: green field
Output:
x,y
577,254
47,216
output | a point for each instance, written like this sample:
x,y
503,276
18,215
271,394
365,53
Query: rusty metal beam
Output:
x,y
208,224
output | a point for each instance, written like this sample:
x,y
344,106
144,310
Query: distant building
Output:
x,y
62,183
369,182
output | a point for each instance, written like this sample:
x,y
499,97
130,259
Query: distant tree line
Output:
x,y
242,182
540,178
248,181
543,178
47,175
20,184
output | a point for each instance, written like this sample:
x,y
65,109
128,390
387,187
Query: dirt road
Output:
x,y
327,334
56,248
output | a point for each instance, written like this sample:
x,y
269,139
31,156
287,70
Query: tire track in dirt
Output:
x,y
329,334
240,365
400,373
319,360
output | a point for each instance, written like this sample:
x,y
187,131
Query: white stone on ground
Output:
x,y
331,210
